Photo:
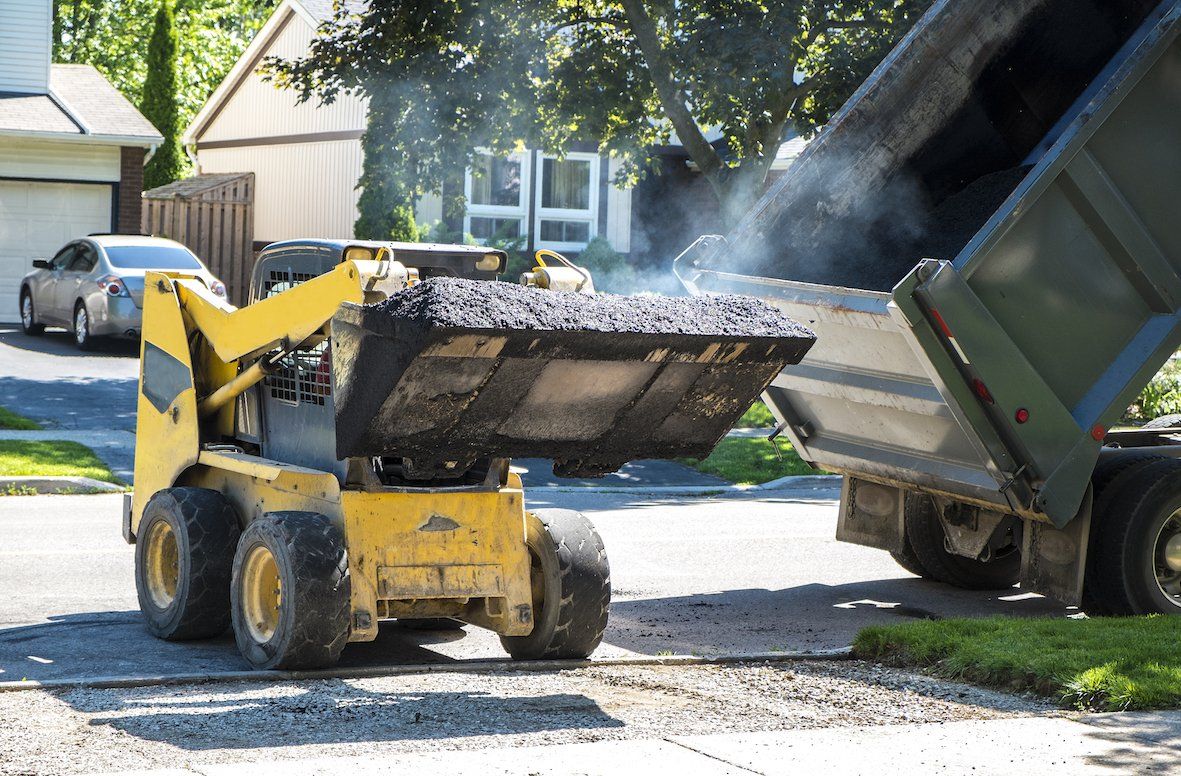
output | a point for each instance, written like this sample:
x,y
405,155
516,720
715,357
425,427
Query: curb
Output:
x,y
803,482
503,665
51,485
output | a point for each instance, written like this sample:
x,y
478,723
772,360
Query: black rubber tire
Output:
x,y
315,611
1096,599
87,342
1164,421
35,329
927,539
569,620
430,624
1121,574
909,561
205,527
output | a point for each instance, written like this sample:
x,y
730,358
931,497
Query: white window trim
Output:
x,y
561,214
520,211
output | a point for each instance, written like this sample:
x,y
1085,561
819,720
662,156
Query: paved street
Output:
x,y
705,576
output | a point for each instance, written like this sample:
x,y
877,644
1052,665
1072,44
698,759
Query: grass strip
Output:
x,y
758,416
1103,663
10,420
752,461
51,458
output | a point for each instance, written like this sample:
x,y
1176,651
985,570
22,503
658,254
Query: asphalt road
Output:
x,y
49,380
712,575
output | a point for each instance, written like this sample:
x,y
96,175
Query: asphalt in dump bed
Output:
x,y
483,304
876,248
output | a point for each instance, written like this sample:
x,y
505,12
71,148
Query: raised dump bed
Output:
x,y
985,240
453,370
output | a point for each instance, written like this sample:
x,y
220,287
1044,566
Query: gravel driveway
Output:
x,y
155,727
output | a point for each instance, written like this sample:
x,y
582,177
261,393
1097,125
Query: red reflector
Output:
x,y
981,390
1022,415
1098,432
942,324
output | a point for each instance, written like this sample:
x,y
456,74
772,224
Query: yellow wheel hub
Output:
x,y
163,564
262,594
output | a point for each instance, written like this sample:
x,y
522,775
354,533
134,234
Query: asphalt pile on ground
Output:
x,y
480,304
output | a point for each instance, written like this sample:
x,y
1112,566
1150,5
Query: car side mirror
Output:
x,y
42,264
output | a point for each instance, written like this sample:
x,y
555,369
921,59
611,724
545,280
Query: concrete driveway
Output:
x,y
730,574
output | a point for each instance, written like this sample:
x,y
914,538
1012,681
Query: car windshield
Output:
x,y
151,257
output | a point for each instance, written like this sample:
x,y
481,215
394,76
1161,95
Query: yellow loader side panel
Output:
x,y
167,436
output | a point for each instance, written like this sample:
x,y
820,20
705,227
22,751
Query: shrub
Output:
x,y
1160,397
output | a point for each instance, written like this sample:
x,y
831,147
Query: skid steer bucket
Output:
x,y
454,370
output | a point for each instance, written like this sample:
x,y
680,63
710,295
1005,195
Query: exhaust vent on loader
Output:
x,y
453,370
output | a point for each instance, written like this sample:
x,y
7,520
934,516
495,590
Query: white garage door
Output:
x,y
36,219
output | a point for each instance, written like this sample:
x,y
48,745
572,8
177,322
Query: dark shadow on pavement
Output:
x,y
332,712
807,617
59,342
1161,730
117,644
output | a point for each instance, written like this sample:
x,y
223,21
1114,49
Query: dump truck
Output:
x,y
985,239
336,453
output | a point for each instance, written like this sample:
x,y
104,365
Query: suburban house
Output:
x,y
72,149
306,160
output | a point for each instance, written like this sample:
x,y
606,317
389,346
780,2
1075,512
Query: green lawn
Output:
x,y
51,458
11,420
752,461
1108,663
758,416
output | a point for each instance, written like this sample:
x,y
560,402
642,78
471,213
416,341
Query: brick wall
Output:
x,y
131,187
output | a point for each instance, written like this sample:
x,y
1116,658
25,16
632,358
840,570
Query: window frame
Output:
x,y
590,215
520,212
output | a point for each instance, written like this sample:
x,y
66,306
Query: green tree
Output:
x,y
159,100
112,35
730,78
386,206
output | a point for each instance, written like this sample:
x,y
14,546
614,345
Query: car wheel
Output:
x,y
82,336
28,317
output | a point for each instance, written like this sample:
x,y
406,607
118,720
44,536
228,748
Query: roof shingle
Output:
x,y
99,105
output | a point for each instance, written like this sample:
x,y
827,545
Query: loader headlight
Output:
x,y
491,262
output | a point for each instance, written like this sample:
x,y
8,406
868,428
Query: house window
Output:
x,y
497,204
567,201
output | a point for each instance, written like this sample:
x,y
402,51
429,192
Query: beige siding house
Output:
x,y
307,157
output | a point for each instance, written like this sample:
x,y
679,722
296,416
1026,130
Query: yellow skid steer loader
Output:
x,y
336,452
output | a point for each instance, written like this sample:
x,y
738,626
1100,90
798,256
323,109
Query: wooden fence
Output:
x,y
216,222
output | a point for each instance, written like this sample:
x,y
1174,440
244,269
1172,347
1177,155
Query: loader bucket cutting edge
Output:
x,y
444,396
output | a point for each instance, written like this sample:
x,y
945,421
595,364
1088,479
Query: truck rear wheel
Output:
x,y
184,552
291,591
909,561
1136,555
925,534
571,583
1100,597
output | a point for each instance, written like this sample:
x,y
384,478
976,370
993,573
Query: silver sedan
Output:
x,y
95,286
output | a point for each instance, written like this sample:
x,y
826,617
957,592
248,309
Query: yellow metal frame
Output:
x,y
412,552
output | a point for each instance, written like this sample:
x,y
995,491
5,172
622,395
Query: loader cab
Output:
x,y
290,414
